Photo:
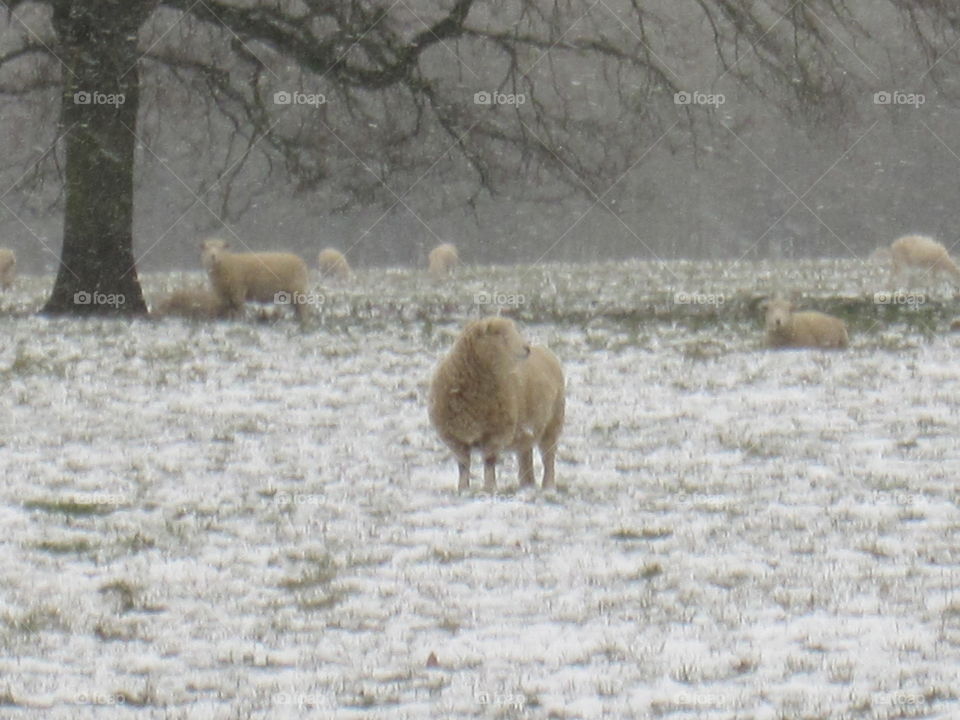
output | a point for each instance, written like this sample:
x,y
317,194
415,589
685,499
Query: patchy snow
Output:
x,y
256,520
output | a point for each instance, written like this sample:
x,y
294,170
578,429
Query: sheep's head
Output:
x,y
778,315
213,250
497,339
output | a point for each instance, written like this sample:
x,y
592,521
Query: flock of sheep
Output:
x,y
493,392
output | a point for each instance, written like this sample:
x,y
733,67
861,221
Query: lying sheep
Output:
x,y
786,328
918,252
258,276
192,303
496,393
333,264
443,259
8,268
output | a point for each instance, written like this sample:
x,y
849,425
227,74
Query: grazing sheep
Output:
x,y
786,328
262,277
443,259
8,268
193,303
334,264
496,393
918,252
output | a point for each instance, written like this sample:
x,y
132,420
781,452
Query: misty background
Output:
x,y
764,174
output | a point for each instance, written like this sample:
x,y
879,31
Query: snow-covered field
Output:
x,y
255,520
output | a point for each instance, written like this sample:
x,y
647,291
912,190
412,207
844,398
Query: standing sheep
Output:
x,y
786,328
333,264
8,268
443,259
918,252
496,393
261,277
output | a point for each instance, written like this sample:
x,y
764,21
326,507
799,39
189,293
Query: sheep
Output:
x,y
496,393
333,263
8,268
193,303
258,276
918,252
786,328
443,259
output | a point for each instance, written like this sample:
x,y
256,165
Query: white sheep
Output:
x,y
496,393
443,259
193,303
333,264
258,276
8,268
786,328
918,252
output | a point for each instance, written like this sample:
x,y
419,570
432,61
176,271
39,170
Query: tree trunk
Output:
x,y
98,114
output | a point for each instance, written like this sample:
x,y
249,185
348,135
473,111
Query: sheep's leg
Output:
x,y
490,473
462,453
526,466
548,453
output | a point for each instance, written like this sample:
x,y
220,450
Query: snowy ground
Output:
x,y
255,520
